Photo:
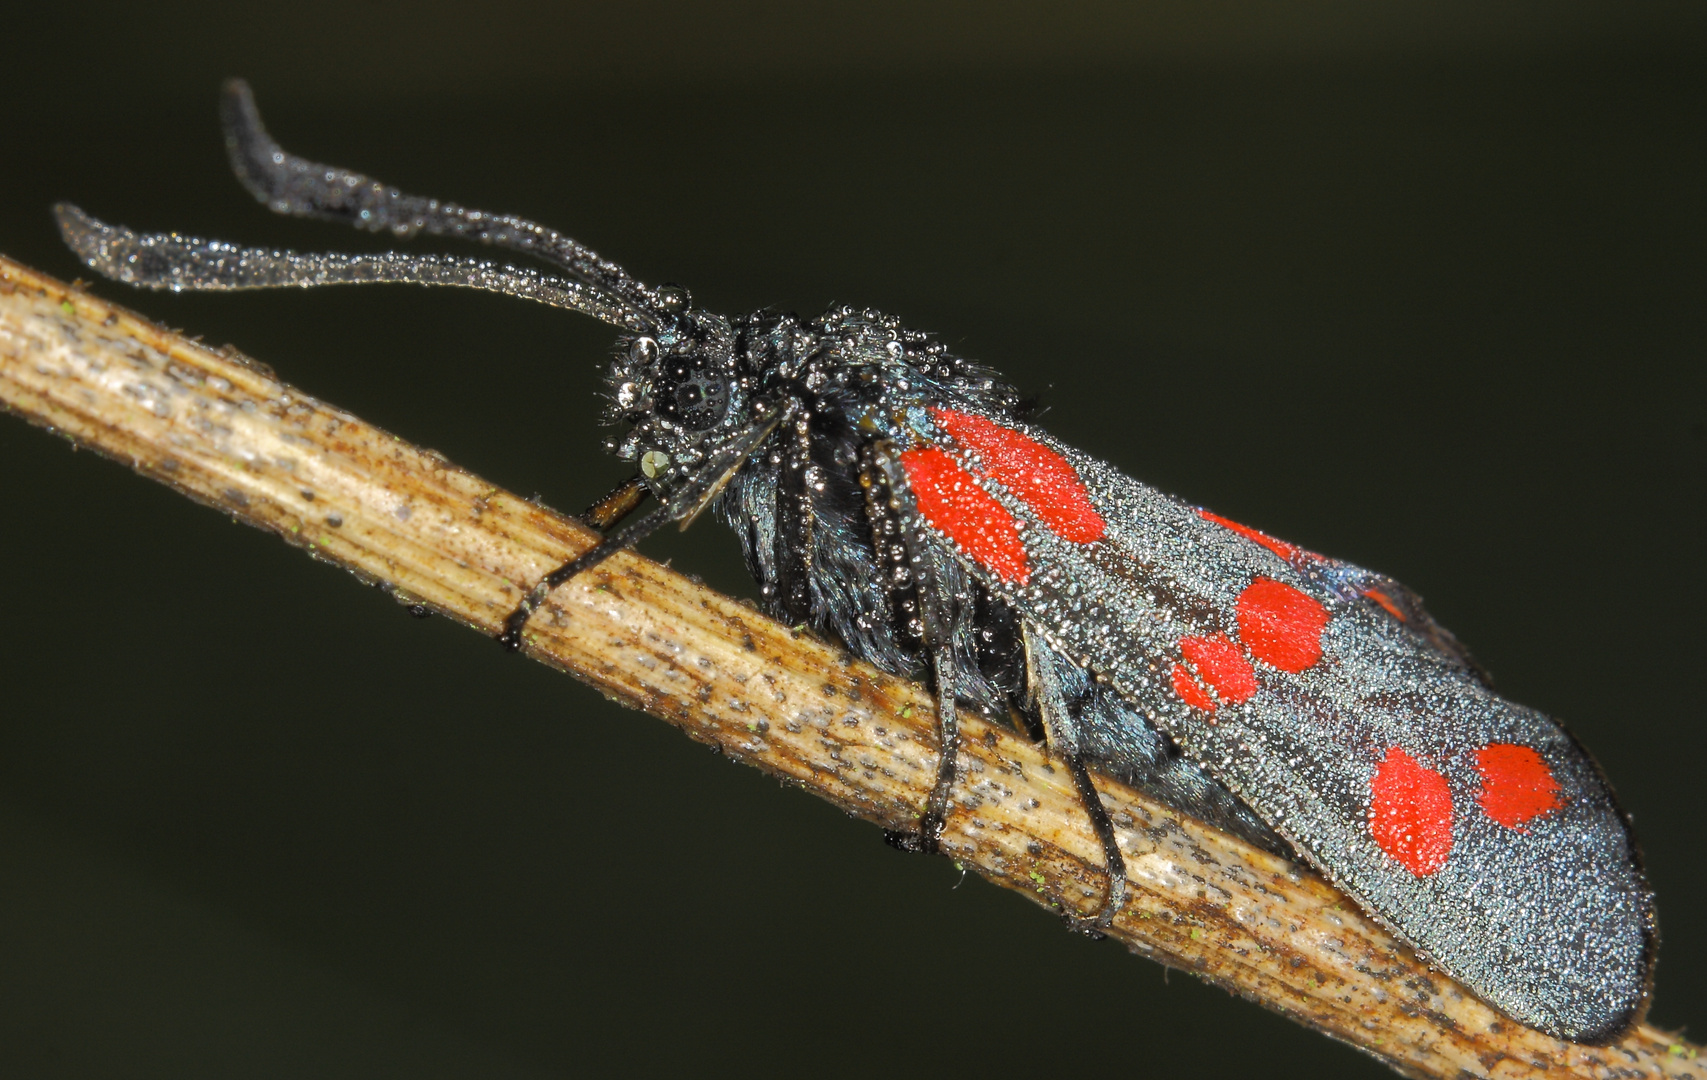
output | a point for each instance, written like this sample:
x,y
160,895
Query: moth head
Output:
x,y
681,389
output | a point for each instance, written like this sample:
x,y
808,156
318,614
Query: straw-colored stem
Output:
x,y
222,430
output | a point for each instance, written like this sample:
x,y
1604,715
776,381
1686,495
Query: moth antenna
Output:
x,y
288,184
187,263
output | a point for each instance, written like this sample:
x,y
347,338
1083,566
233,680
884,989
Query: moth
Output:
x,y
898,498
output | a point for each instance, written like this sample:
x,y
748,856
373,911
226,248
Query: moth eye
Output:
x,y
701,401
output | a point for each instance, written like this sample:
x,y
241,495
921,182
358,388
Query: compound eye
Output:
x,y
701,400
694,392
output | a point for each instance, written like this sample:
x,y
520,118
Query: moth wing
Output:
x,y
1402,603
1476,828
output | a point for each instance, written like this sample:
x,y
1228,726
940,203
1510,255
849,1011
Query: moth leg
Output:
x,y
622,539
928,838
1113,861
948,743
1026,724
1064,735
685,503
620,503
936,622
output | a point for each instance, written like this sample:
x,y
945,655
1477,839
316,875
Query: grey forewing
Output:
x,y
1564,898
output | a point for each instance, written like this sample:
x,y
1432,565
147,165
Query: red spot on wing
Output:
x,y
1191,691
950,499
1037,475
1517,786
1221,664
1280,625
1410,813
1279,547
1387,602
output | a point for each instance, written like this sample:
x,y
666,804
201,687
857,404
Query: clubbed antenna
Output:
x,y
185,263
288,184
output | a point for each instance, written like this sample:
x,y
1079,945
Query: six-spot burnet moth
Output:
x,y
894,496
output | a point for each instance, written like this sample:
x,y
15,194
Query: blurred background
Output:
x,y
1418,286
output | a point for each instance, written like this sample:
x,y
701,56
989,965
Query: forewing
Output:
x,y
1475,827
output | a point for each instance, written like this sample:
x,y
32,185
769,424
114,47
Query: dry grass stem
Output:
x,y
222,430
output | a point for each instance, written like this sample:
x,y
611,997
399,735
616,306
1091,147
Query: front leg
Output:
x,y
603,514
621,502
684,505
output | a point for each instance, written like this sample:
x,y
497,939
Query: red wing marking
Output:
x,y
1191,691
1387,602
1280,625
1410,813
951,500
1279,547
1517,786
1037,475
1221,664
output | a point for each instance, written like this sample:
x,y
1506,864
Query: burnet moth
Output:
x,y
894,496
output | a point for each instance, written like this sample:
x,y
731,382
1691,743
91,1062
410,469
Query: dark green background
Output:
x,y
1417,288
